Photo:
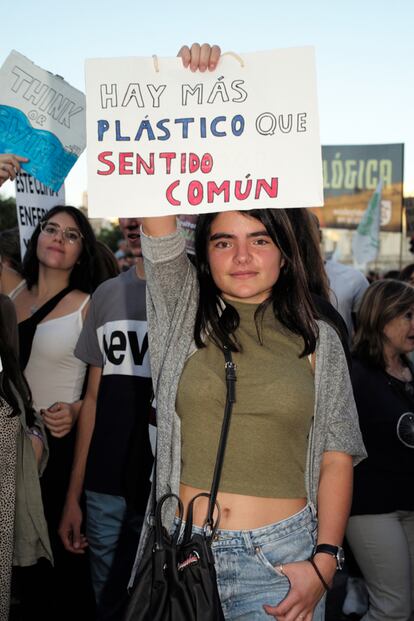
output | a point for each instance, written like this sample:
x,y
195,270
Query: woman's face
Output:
x,y
244,261
399,333
55,251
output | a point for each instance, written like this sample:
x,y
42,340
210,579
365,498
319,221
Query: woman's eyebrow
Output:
x,y
221,236
262,233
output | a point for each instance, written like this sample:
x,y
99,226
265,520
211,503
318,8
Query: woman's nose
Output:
x,y
59,235
242,254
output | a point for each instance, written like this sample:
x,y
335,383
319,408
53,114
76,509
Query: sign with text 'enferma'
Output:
x,y
164,140
33,200
42,117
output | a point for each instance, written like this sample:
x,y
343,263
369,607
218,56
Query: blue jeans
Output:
x,y
246,559
112,530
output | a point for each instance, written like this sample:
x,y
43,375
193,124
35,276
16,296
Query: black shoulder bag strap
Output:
x,y
230,369
211,525
230,399
27,328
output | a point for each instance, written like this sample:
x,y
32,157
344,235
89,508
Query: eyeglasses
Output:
x,y
69,234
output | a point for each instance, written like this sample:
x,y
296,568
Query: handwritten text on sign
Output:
x,y
173,141
42,118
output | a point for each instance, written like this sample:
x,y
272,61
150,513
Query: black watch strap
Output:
x,y
335,551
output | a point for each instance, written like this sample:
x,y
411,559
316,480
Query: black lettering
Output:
x,y
137,354
115,346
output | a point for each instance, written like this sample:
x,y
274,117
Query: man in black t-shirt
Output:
x,y
113,457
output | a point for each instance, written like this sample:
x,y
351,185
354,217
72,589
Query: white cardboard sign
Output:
x,y
33,201
42,118
164,140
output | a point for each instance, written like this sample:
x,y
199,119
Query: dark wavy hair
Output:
x,y
407,272
83,275
305,228
10,248
12,379
290,297
383,301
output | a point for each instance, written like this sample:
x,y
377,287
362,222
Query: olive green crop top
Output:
x,y
267,444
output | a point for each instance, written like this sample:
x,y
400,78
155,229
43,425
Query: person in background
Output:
x,y
372,276
106,263
122,249
114,420
347,286
395,274
23,453
381,527
10,262
59,269
306,232
407,274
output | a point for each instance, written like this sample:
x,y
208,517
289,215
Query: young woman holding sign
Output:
x,y
287,479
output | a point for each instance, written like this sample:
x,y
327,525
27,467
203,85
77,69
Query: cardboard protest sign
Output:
x,y
164,140
42,118
33,201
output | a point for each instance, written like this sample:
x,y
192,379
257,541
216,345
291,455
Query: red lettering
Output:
x,y
195,193
124,165
241,196
213,189
206,163
193,163
102,157
271,190
167,157
149,168
169,194
183,162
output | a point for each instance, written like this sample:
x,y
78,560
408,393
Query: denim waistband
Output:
x,y
305,518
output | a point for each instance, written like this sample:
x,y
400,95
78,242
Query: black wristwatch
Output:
x,y
336,551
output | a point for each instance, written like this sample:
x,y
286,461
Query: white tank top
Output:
x,y
53,372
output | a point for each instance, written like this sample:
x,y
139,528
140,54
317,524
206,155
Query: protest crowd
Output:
x,y
116,368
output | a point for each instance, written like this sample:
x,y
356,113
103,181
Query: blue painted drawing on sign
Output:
x,y
49,161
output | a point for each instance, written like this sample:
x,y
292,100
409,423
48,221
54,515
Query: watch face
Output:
x,y
340,558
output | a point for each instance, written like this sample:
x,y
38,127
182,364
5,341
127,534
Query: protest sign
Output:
x,y
42,118
33,201
164,140
350,175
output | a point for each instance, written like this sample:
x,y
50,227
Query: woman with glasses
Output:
x,y
381,528
59,271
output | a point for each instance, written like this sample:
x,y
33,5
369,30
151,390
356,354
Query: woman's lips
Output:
x,y
243,275
56,249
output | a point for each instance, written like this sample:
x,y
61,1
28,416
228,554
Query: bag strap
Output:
x,y
27,328
230,399
230,369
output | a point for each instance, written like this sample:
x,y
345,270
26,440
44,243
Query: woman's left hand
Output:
x,y
59,418
200,57
305,592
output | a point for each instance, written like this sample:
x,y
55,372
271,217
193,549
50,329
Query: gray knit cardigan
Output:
x,y
172,298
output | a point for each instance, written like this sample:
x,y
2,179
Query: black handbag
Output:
x,y
176,580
